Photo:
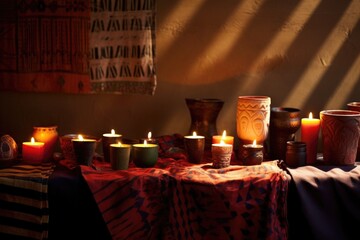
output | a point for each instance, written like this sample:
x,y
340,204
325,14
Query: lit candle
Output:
x,y
84,149
223,137
109,138
119,155
310,128
149,139
252,154
145,154
221,154
33,152
195,147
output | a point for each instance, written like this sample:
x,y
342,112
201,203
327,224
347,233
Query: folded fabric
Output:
x,y
24,209
179,200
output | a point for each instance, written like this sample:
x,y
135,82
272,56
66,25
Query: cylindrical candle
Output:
x,y
221,154
310,128
195,147
109,138
84,150
33,152
144,154
119,156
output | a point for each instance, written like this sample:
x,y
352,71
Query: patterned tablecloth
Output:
x,y
24,208
179,200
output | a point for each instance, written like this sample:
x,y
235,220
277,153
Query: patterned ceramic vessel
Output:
x,y
253,118
340,136
355,106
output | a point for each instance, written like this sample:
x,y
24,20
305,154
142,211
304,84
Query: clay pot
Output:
x,y
340,135
204,113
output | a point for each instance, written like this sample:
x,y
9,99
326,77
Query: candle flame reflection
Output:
x,y
149,135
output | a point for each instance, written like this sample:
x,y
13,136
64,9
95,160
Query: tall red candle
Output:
x,y
310,128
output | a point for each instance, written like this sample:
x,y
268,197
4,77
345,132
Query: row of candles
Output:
x,y
251,154
146,153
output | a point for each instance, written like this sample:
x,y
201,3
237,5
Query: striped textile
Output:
x,y
24,209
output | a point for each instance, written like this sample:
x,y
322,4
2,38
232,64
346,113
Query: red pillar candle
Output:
x,y
310,128
227,139
33,152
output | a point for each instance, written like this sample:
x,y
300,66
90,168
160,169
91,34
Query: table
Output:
x,y
324,202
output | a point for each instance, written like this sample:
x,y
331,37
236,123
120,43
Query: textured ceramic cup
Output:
x,y
253,118
340,135
355,106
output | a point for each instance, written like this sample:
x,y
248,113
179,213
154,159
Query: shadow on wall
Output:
x,y
301,53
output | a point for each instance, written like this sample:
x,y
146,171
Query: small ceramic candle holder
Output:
x,y
252,154
119,156
195,147
145,155
107,140
84,150
221,154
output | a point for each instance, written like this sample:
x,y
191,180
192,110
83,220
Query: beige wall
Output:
x,y
302,54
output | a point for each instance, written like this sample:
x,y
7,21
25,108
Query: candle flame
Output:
x,y
112,131
222,142
145,142
80,137
149,135
310,115
119,143
254,143
194,134
32,140
224,134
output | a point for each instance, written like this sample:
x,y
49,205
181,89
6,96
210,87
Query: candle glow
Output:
x,y
32,151
310,128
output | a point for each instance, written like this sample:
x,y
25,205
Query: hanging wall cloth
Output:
x,y
44,46
122,46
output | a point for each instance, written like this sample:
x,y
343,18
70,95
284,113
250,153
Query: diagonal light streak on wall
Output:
x,y
283,39
184,11
226,40
312,76
337,100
